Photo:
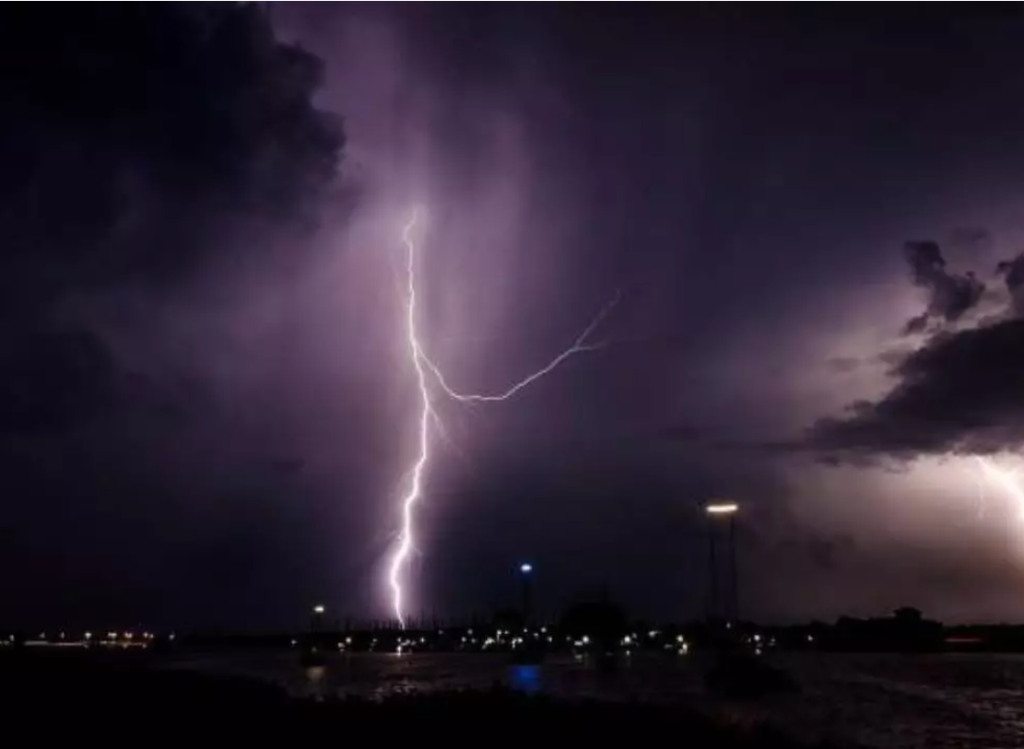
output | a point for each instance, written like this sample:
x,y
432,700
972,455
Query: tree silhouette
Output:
x,y
600,620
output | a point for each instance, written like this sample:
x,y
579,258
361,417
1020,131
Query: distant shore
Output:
x,y
120,696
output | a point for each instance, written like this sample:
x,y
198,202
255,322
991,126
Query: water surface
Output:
x,y
882,701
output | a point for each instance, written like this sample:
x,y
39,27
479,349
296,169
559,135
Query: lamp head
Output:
x,y
721,508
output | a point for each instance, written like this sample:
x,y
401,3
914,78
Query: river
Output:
x,y
879,701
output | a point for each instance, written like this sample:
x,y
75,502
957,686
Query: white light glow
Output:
x,y
721,508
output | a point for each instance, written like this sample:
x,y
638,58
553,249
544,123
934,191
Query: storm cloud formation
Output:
x,y
1013,270
143,149
138,144
208,405
950,295
960,392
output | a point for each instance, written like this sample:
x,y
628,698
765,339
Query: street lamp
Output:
x,y
316,618
714,509
526,573
721,508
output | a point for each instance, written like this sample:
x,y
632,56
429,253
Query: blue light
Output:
x,y
526,568
525,678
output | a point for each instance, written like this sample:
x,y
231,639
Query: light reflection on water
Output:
x,y
885,701
314,681
525,678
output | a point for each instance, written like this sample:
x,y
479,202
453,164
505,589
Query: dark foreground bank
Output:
x,y
80,697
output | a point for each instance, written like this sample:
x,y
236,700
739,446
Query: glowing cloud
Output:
x,y
1006,480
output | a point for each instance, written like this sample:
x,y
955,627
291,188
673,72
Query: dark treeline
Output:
x,y
590,627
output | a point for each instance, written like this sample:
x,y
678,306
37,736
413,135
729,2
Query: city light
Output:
x,y
318,609
526,568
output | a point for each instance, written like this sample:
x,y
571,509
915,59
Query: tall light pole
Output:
x,y
526,575
716,510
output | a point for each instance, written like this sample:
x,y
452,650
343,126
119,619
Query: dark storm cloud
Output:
x,y
684,433
136,143
1013,270
51,378
959,393
893,356
142,147
950,295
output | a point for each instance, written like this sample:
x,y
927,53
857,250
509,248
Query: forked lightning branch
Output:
x,y
430,378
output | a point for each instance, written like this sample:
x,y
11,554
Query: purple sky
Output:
x,y
748,183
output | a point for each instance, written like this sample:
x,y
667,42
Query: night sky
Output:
x,y
812,215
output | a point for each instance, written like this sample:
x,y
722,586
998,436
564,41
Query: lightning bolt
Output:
x,y
405,542
578,346
422,365
1005,480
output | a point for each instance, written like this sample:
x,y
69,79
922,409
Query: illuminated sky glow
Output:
x,y
217,367
1006,481
427,414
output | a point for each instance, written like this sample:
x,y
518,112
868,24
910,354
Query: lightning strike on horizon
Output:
x,y
1006,480
421,364
405,543
980,479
